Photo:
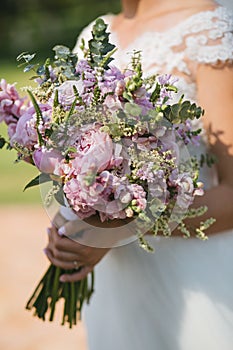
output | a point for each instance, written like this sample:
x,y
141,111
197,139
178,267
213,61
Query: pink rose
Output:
x,y
66,93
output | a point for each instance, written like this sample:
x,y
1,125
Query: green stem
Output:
x,y
38,289
54,295
65,294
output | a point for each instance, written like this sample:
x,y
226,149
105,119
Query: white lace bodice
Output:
x,y
205,37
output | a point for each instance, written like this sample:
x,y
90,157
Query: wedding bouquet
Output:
x,y
111,143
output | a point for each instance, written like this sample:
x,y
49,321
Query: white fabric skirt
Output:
x,y
178,298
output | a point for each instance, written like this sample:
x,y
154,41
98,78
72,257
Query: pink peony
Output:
x,y
94,150
11,105
46,160
25,132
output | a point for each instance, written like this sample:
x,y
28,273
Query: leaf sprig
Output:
x,y
100,49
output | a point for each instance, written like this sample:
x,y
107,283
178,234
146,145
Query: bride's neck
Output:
x,y
144,8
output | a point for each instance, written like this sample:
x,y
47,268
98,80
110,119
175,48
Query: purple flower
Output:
x,y
145,143
168,142
82,67
184,131
88,75
113,79
167,79
139,196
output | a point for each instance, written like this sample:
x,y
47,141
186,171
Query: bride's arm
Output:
x,y
215,95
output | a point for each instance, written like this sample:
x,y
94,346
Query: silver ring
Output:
x,y
76,265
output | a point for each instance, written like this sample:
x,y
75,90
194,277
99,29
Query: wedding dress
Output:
x,y
181,296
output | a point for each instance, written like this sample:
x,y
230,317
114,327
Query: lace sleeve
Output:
x,y
210,38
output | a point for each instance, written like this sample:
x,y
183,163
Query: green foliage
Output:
x,y
135,81
182,110
66,59
100,50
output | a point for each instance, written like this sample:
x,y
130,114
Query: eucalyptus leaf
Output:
x,y
61,51
20,56
28,68
133,109
99,46
27,57
40,70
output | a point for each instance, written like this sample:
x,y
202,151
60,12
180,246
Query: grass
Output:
x,y
13,177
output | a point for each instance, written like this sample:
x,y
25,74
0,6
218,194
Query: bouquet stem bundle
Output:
x,y
50,290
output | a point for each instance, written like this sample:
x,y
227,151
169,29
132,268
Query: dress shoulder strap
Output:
x,y
208,37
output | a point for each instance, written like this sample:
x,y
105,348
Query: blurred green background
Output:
x,y
36,26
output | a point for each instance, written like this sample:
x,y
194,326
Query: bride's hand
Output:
x,y
69,254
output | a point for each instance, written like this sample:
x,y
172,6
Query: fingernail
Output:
x,y
45,250
61,231
48,231
62,279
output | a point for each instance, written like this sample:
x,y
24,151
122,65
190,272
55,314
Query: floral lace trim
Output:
x,y
212,38
205,37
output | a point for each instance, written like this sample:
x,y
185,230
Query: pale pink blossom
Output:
x,y
11,105
66,92
95,149
25,132
47,160
26,129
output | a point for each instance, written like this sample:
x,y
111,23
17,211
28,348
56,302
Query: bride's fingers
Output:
x,y
66,265
76,276
61,254
63,243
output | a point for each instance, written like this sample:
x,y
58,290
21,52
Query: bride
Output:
x,y
180,297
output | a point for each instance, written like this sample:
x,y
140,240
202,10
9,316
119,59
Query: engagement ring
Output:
x,y
76,265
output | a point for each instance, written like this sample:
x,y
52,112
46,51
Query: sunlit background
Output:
x,y
33,26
